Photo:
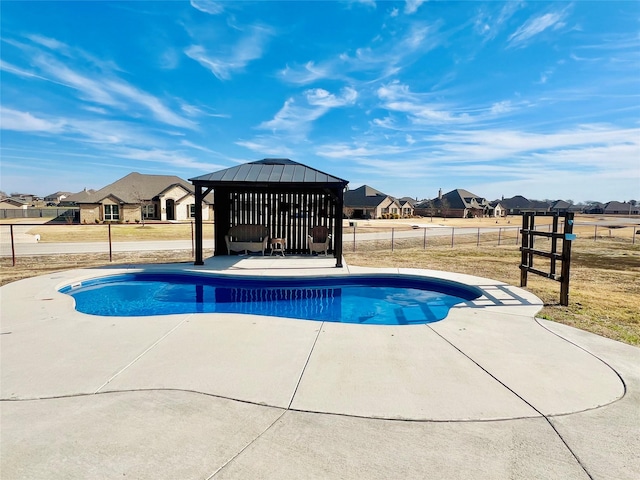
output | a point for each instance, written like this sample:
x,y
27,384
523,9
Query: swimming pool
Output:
x,y
364,299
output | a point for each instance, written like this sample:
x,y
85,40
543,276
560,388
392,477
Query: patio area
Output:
x,y
489,392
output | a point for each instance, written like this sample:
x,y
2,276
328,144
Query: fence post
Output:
x,y
110,251
424,243
633,240
453,229
517,236
499,234
478,242
13,248
595,233
392,231
354,237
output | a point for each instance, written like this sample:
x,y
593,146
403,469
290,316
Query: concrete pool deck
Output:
x,y
489,392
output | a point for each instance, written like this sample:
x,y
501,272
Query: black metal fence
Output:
x,y
107,241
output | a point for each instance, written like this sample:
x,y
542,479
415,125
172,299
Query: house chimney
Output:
x,y
440,194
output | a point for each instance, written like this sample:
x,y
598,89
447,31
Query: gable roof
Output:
x,y
79,197
461,199
619,207
17,201
269,171
411,201
364,196
515,202
58,194
135,187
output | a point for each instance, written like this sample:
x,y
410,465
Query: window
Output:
x,y
111,212
192,210
149,211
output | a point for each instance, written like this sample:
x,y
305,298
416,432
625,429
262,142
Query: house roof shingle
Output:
x,y
364,196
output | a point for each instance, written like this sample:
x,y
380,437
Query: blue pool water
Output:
x,y
371,299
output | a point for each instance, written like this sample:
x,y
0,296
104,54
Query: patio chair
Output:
x,y
319,240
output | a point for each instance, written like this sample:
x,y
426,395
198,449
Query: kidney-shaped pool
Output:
x,y
365,299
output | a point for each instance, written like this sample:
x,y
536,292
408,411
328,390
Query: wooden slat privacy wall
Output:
x,y
286,213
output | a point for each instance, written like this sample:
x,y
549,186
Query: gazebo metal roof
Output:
x,y
268,172
286,196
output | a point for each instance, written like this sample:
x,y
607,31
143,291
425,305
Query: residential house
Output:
x,y
560,206
407,206
621,208
518,205
496,209
367,202
76,198
138,197
14,203
594,208
56,198
457,203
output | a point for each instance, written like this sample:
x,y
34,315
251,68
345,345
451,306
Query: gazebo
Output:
x,y
285,196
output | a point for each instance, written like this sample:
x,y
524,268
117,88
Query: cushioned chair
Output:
x,y
319,240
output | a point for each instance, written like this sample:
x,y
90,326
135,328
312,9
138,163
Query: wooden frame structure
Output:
x,y
285,196
529,252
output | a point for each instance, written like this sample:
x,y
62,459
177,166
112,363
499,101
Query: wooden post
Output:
x,y
198,221
337,241
554,247
392,230
424,243
566,260
523,255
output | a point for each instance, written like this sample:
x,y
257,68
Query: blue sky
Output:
x,y
540,99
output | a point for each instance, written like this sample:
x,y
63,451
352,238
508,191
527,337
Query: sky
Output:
x,y
540,99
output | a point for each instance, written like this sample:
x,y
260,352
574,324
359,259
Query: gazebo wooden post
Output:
x,y
221,205
337,245
198,221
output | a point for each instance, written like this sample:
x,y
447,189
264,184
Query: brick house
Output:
x,y
138,197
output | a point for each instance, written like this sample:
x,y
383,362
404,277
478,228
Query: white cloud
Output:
x,y
26,122
385,60
235,58
535,26
268,147
50,43
98,87
297,117
411,6
305,74
208,6
323,98
501,107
